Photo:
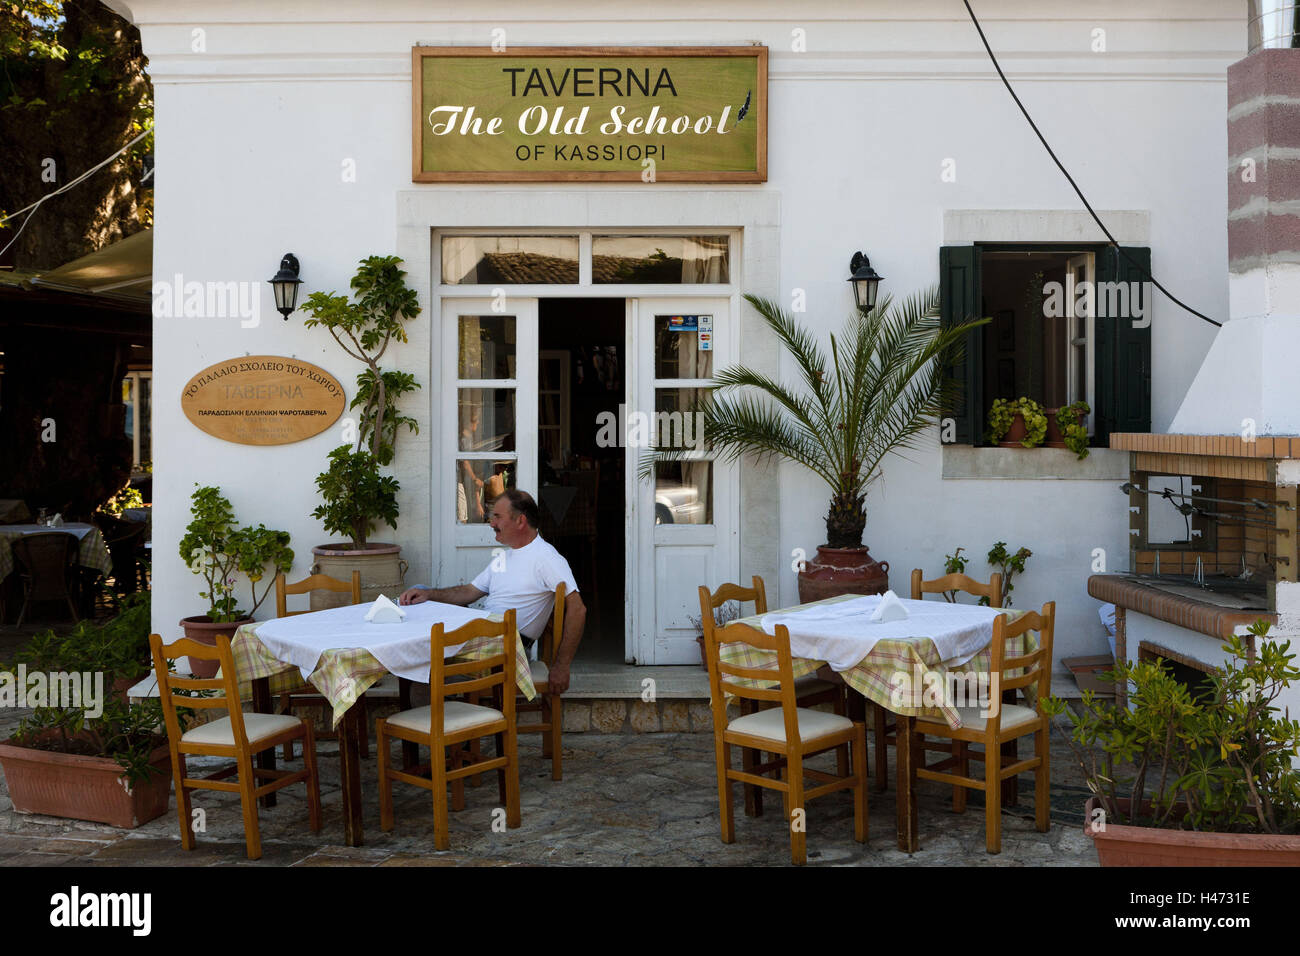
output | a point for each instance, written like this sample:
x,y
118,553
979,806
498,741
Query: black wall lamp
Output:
x,y
865,281
285,285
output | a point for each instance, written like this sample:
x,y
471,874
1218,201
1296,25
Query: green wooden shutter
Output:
x,y
959,291
1122,354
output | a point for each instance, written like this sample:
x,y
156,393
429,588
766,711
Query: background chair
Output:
x,y
999,723
317,582
809,691
47,565
549,706
789,732
448,723
884,732
237,735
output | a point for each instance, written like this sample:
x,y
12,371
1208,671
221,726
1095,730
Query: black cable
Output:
x,y
1113,241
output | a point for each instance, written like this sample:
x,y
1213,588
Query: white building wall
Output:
x,y
259,105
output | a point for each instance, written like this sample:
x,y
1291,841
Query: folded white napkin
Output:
x,y
890,608
384,611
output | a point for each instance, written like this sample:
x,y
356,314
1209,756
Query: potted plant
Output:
x,y
1183,781
1010,564
85,752
1017,422
884,384
722,616
216,549
1066,428
356,495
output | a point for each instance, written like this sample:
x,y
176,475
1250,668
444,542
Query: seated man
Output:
x,y
524,578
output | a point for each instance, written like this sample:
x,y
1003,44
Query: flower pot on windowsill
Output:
x,y
382,571
842,571
1127,845
83,787
204,630
1016,433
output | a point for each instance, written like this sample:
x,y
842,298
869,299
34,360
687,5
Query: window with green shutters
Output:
x,y
1069,322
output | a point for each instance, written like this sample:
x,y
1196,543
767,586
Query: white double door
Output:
x,y
681,527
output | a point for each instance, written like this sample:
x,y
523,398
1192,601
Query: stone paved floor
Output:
x,y
641,800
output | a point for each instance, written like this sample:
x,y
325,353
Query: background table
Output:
x,y
92,553
341,676
874,678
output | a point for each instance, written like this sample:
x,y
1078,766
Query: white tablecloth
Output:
x,y
80,529
402,648
843,634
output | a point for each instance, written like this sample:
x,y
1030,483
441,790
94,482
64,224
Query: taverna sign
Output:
x,y
263,400
550,114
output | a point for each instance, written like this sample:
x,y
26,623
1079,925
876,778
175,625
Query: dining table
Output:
x,y
889,663
342,654
92,552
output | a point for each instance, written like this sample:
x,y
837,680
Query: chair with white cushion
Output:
x,y
809,691
790,733
449,723
548,705
998,723
238,735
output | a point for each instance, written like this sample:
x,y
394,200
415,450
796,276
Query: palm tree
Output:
x,y
884,385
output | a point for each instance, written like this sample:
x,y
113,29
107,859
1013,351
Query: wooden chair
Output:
x,y
447,723
237,735
47,565
549,706
1004,722
789,732
884,733
317,582
808,691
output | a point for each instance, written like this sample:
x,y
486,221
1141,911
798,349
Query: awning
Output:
x,y
123,270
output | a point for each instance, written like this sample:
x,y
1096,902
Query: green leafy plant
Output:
x,y
883,385
364,329
216,549
1010,565
1222,764
1070,420
1003,413
119,650
127,497
356,495
953,564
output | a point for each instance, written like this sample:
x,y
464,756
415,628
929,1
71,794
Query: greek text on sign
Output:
x,y
684,114
263,400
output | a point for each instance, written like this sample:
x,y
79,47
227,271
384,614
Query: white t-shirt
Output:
x,y
525,579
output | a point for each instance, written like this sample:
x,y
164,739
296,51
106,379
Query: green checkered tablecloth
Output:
x,y
895,674
92,552
343,674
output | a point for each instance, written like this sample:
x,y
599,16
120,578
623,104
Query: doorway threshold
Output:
x,y
609,679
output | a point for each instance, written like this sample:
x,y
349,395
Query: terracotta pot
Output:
x,y
84,788
382,572
1124,845
1015,433
842,571
704,657
1055,437
205,631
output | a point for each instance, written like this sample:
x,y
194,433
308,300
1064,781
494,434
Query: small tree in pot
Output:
x,y
883,385
356,496
217,550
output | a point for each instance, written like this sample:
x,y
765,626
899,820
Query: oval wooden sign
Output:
x,y
263,400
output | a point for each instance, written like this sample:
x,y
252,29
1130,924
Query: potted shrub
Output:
x,y
85,752
1182,781
356,495
884,384
1067,428
216,549
1017,422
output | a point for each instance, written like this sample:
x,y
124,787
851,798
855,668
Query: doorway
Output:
x,y
581,374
